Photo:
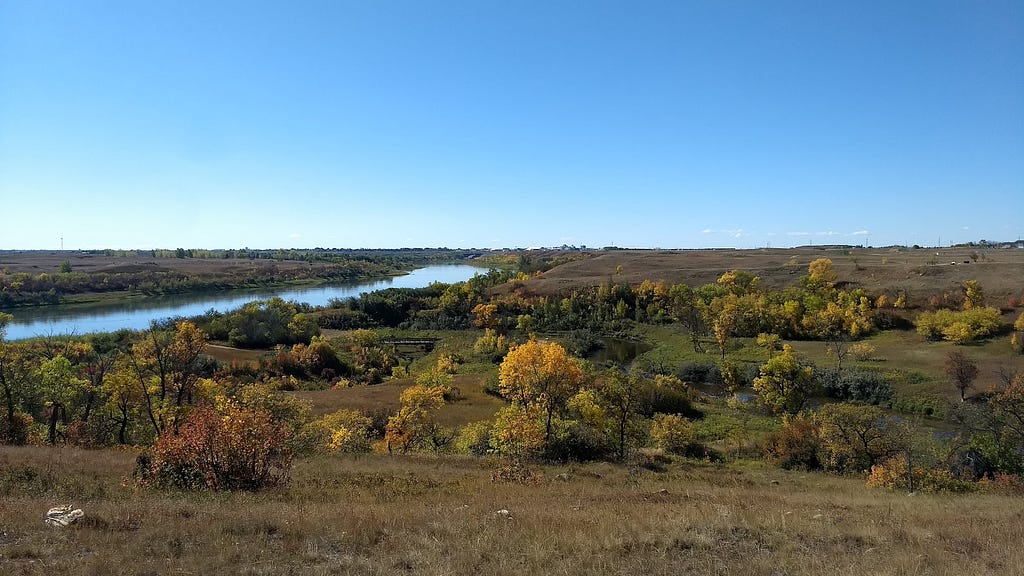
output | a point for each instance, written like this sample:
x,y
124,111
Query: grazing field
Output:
x,y
919,272
444,515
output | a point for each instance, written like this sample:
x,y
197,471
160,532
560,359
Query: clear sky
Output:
x,y
220,124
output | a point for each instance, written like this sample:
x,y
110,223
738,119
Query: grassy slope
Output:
x,y
386,515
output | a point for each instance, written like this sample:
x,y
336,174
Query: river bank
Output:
x,y
111,314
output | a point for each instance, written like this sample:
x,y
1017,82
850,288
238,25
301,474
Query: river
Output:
x,y
136,314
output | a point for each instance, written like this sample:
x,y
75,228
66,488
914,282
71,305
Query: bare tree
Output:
x,y
962,370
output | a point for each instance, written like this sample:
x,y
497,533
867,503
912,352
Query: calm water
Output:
x,y
137,315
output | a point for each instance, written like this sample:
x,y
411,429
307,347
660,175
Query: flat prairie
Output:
x,y
919,272
434,515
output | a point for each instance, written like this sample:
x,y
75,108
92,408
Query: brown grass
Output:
x,y
432,515
474,404
919,272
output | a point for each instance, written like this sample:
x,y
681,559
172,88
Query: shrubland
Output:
x,y
735,384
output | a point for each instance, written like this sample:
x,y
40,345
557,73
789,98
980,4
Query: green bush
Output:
x,y
855,385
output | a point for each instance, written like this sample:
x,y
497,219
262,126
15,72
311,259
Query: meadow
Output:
x,y
444,515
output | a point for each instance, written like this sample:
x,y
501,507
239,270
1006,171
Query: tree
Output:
x,y
17,374
856,437
770,342
785,383
620,396
123,398
689,310
486,316
725,322
60,387
962,370
974,297
820,274
166,364
413,423
540,374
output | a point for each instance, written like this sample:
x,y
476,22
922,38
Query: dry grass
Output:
x,y
919,272
229,354
388,515
474,404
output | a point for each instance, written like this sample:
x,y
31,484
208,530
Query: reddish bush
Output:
x,y
796,444
233,448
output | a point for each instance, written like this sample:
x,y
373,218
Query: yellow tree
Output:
x,y
166,364
412,424
785,384
821,273
542,375
486,316
973,295
726,317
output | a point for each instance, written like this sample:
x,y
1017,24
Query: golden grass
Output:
x,y
229,354
429,515
474,404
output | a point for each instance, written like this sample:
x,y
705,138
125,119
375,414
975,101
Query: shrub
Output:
x,y
796,445
857,386
341,431
16,430
862,351
578,442
672,433
474,438
517,433
93,433
448,363
698,373
233,448
893,474
959,327
667,395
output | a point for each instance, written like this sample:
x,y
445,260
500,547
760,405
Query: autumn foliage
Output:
x,y
225,448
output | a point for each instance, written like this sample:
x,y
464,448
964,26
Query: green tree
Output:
x,y
620,396
856,437
17,381
770,342
688,309
60,386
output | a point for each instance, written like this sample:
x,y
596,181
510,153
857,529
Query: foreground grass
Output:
x,y
425,515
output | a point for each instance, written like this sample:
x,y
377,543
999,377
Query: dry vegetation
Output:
x,y
919,272
425,515
444,514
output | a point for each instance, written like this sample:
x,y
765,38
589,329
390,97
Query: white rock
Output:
x,y
62,516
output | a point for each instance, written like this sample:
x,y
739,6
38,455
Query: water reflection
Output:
x,y
137,314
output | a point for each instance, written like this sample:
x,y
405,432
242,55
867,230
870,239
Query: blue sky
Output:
x,y
490,124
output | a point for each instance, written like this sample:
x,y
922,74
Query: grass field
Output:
x,y
440,515
919,272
